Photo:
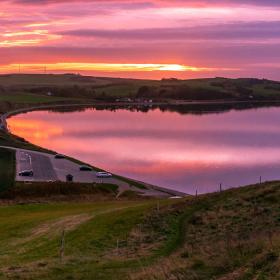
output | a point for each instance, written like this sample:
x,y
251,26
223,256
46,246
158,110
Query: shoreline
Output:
x,y
150,187
175,193
5,116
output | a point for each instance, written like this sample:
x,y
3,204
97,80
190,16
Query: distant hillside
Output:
x,y
110,89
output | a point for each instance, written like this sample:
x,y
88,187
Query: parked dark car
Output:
x,y
85,168
59,156
26,173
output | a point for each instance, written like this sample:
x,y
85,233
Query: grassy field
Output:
x,y
224,236
7,169
30,239
29,98
49,79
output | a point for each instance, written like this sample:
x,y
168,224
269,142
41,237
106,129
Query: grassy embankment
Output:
x,y
59,191
228,235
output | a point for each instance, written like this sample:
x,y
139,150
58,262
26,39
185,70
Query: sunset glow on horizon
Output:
x,y
141,39
65,67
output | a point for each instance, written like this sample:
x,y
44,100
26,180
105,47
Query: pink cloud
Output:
x,y
207,34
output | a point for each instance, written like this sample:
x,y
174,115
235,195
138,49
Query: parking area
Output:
x,y
40,164
47,168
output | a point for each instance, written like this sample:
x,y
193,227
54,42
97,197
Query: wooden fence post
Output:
x,y
62,245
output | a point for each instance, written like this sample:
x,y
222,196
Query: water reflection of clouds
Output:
x,y
34,130
167,148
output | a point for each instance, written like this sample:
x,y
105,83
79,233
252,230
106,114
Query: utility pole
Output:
x,y
117,246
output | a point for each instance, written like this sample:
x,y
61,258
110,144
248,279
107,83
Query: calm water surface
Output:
x,y
183,152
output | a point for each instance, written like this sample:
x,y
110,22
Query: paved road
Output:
x,y
39,163
47,168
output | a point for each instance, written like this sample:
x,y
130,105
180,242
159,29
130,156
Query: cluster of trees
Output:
x,y
215,89
183,92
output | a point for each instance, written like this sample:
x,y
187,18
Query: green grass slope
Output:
x,y
228,235
30,238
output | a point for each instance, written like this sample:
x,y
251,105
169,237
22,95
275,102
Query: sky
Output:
x,y
151,39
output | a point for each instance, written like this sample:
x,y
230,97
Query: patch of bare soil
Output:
x,y
66,223
54,228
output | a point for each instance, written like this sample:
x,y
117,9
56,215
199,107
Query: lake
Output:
x,y
186,152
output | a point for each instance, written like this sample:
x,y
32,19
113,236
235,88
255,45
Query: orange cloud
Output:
x,y
23,38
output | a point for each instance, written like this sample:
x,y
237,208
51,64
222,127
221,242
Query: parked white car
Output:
x,y
103,174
